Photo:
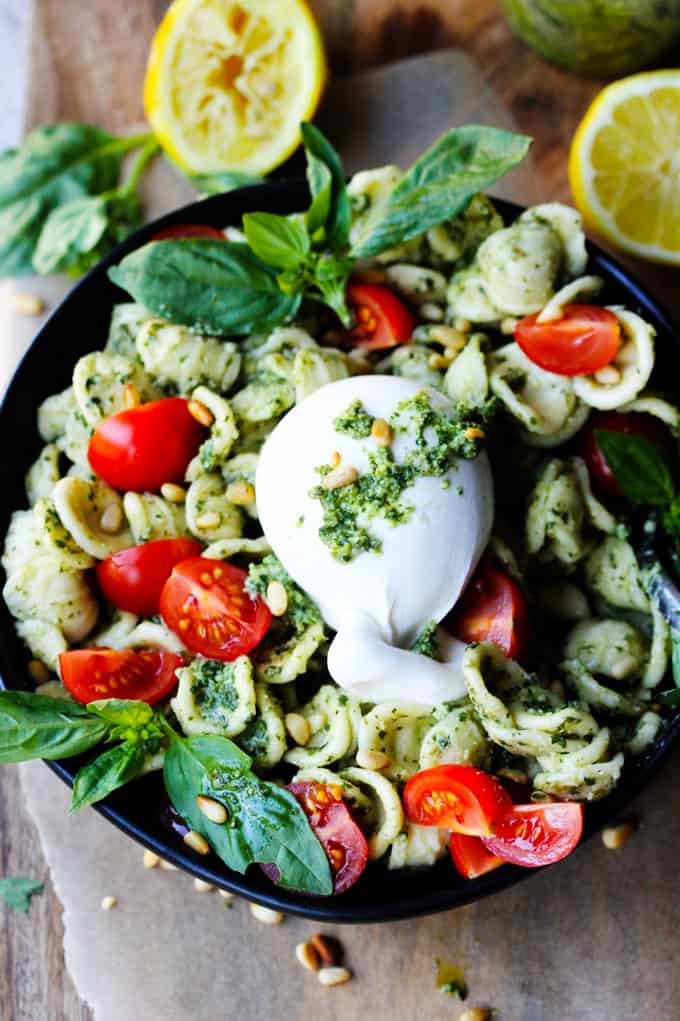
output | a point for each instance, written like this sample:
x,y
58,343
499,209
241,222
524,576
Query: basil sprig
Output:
x,y
16,891
61,208
640,467
265,823
307,256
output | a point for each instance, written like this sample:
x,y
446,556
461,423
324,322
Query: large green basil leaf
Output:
x,y
55,164
279,241
339,216
640,467
109,771
211,286
265,823
35,727
76,235
16,891
440,184
320,182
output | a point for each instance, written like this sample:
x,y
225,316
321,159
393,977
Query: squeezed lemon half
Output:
x,y
228,82
624,165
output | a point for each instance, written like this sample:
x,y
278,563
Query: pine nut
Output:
x,y
167,866
343,475
327,949
335,459
382,432
437,361
475,1014
298,728
508,325
516,775
108,903
276,598
266,915
198,410
614,837
226,894
448,337
307,956
38,671
151,859
367,759
241,493
28,304
131,398
173,493
111,520
197,842
433,312
210,519
200,886
211,809
473,433
334,976
462,325
608,375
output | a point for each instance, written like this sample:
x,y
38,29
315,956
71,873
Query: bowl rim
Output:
x,y
227,208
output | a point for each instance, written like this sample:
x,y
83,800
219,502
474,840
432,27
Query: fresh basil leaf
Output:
x,y
109,771
16,891
36,727
55,164
339,216
217,184
79,233
639,466
265,823
212,286
130,720
330,276
320,182
440,184
278,240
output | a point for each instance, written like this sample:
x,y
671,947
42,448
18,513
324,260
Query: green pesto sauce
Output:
x,y
355,422
300,613
426,642
254,740
379,493
213,688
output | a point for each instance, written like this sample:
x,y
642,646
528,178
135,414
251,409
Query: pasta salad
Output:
x,y
333,529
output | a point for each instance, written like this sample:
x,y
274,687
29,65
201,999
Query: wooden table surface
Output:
x,y
593,940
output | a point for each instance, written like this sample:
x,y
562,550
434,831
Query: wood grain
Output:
x,y
598,937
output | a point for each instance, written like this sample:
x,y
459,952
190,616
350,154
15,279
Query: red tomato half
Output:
x,y
146,674
204,601
342,840
630,423
143,447
189,230
457,798
491,609
470,856
381,320
584,340
534,835
133,579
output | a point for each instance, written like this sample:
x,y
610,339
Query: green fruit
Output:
x,y
597,38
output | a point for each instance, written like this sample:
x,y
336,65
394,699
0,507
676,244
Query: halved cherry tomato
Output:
x,y
189,230
457,798
535,835
205,602
491,609
342,840
141,448
381,320
632,424
144,674
133,579
470,856
584,340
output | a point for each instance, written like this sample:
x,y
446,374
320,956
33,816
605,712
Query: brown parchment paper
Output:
x,y
165,952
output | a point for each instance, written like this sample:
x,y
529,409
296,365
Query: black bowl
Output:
x,y
79,325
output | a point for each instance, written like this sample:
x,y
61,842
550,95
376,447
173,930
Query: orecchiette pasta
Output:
x,y
264,737
331,718
631,368
396,731
151,517
215,697
209,514
81,506
176,356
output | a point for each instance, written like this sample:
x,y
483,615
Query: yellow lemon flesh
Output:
x,y
228,83
624,165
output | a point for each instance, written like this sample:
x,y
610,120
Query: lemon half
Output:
x,y
624,165
228,82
